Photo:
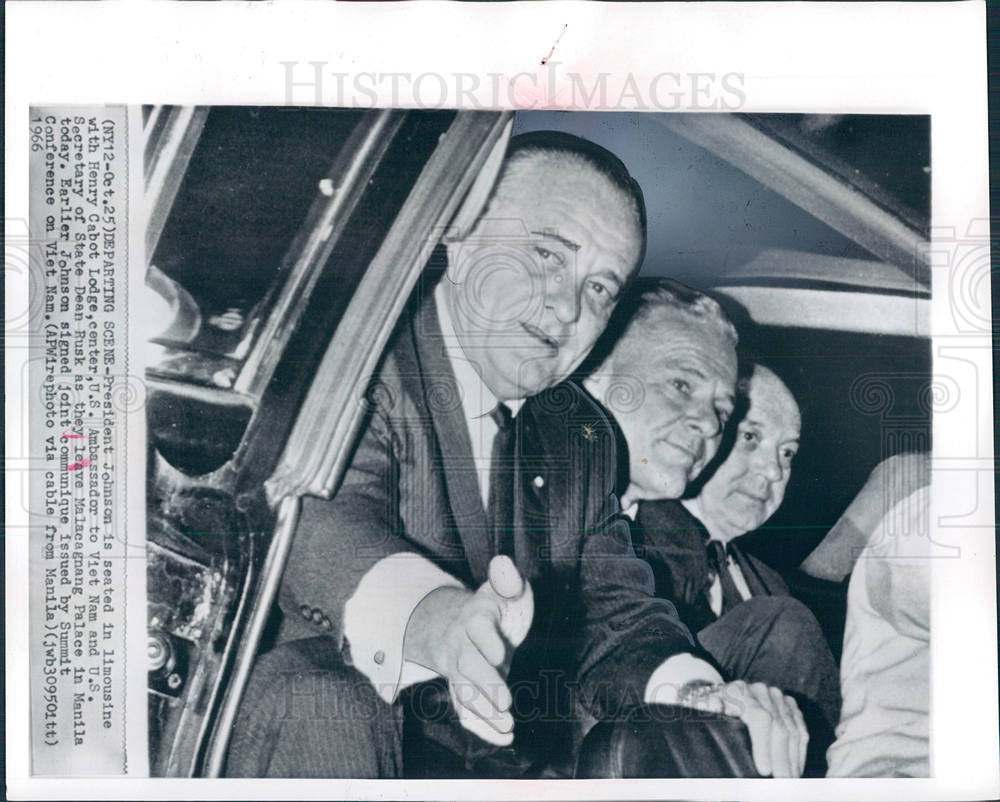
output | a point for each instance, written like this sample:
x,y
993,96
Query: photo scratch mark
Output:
x,y
556,42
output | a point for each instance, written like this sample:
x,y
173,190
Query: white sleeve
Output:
x,y
673,674
377,614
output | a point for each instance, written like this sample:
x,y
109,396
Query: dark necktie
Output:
x,y
501,497
718,562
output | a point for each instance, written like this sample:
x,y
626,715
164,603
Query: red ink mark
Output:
x,y
73,436
528,96
553,50
78,465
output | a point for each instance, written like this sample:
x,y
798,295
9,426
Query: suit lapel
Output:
x,y
676,540
552,487
534,484
762,579
755,581
452,432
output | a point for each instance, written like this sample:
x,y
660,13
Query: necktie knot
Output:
x,y
501,416
718,562
718,555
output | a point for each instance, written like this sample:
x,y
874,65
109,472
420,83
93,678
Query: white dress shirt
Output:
x,y
377,614
478,400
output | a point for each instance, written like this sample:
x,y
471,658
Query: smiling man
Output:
x,y
749,486
475,548
738,495
531,288
669,380
740,608
668,375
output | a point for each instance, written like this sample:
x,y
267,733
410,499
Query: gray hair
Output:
x,y
526,151
644,303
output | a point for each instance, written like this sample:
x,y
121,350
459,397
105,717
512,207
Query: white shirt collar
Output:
x,y
477,399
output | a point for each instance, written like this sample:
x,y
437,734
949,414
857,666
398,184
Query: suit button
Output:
x,y
306,611
325,623
317,616
379,657
538,482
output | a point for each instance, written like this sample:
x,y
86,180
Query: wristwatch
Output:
x,y
695,690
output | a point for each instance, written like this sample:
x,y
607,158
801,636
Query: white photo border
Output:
x,y
920,58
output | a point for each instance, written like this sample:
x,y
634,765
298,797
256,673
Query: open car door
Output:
x,y
284,243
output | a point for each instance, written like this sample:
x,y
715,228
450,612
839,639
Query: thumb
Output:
x,y
517,604
505,579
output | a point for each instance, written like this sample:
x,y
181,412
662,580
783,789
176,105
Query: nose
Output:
x,y
768,464
561,296
703,418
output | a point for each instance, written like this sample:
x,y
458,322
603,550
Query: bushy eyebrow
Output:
x,y
552,235
686,368
758,425
681,365
691,370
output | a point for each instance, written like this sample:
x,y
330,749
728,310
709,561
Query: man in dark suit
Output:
x,y
738,606
472,573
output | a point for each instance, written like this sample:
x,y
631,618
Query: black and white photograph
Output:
x,y
528,401
542,445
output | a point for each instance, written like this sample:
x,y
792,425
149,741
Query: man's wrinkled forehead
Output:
x,y
675,335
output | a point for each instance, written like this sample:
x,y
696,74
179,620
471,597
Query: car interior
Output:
x,y
283,242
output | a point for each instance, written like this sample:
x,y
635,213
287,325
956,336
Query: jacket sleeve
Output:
x,y
627,633
675,550
339,540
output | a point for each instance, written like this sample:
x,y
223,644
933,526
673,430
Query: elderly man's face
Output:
x,y
671,399
533,284
749,486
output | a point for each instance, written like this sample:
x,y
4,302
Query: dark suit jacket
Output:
x,y
412,486
673,542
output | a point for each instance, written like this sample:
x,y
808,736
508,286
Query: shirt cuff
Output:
x,y
673,674
377,614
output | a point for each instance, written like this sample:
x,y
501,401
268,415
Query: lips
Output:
x,y
541,336
693,451
684,460
752,496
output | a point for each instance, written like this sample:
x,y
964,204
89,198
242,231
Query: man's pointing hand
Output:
x,y
468,638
